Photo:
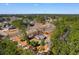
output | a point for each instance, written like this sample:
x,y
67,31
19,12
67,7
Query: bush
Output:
x,y
33,43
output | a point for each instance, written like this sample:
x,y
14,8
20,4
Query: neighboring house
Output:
x,y
2,20
13,18
8,26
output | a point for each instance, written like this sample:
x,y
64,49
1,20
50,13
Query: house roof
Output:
x,y
40,36
2,19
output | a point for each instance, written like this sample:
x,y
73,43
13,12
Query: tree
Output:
x,y
33,43
8,47
17,23
40,19
69,47
42,42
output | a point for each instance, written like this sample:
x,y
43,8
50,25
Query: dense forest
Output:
x,y
69,45
64,39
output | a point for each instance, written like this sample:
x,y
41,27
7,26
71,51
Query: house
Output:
x,y
31,36
8,26
32,23
12,27
1,36
40,36
12,18
2,20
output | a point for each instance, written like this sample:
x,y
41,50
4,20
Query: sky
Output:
x,y
39,8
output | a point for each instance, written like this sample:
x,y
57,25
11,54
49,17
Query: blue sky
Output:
x,y
39,8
